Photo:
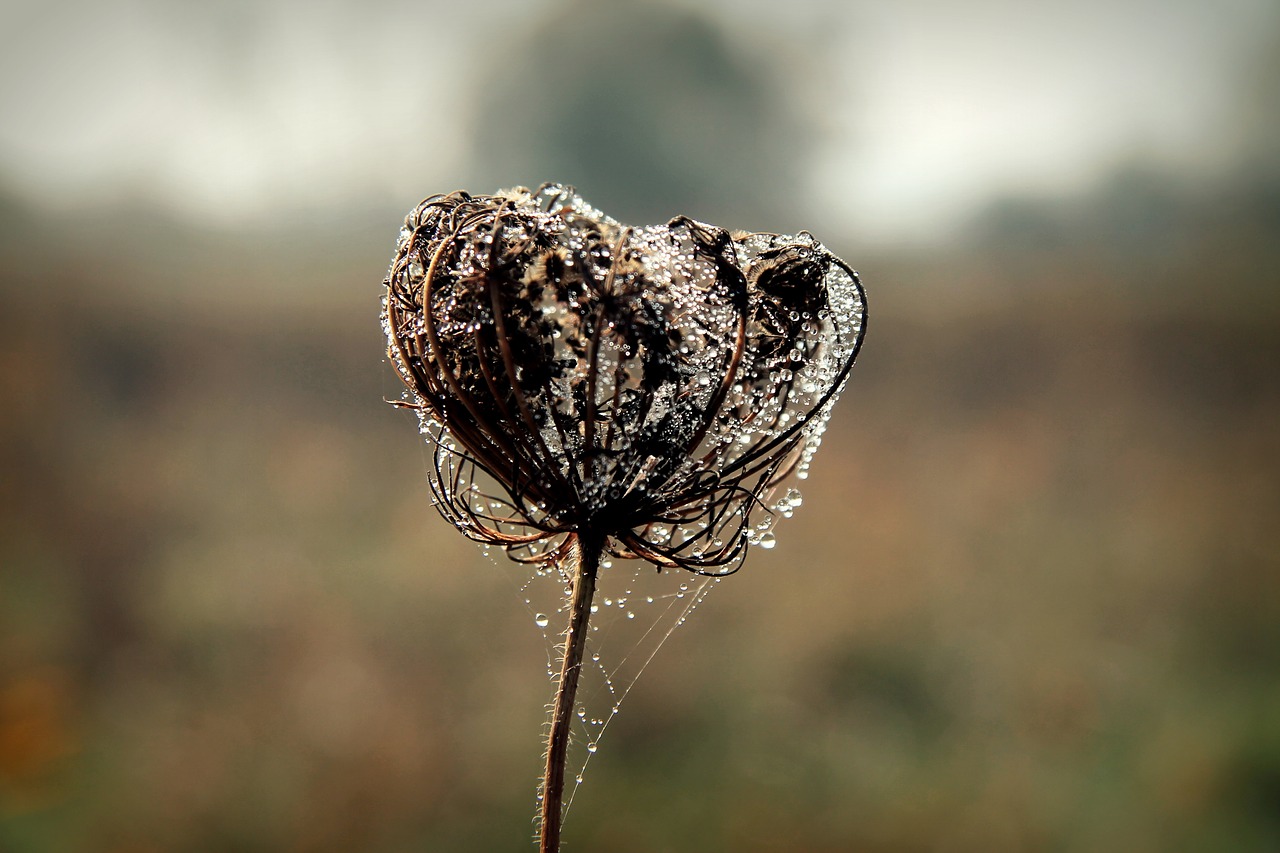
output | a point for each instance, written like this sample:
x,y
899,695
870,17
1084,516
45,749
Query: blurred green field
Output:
x,y
1032,601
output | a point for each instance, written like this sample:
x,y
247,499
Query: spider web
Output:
x,y
635,611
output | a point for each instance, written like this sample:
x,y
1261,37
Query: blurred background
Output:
x,y
1032,601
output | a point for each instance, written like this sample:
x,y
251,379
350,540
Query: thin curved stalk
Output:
x,y
587,558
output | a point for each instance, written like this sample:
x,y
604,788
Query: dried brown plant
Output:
x,y
592,389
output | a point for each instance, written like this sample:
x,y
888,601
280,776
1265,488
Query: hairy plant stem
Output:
x,y
587,554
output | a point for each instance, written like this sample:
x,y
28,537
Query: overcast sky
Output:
x,y
240,109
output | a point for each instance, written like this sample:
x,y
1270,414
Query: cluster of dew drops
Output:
x,y
781,389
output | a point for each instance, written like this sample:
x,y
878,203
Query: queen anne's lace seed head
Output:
x,y
651,386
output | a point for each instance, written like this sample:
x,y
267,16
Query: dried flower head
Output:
x,y
647,387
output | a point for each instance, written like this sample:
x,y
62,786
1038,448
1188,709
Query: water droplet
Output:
x,y
768,540
541,620
592,747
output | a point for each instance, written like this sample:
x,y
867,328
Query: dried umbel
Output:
x,y
593,389
649,387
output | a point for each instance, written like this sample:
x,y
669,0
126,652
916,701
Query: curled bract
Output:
x,y
650,387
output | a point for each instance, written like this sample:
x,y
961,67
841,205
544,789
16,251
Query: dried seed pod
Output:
x,y
648,386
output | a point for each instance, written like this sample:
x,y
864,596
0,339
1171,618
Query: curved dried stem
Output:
x,y
586,555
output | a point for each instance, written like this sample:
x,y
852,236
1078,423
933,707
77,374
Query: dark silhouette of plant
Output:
x,y
594,389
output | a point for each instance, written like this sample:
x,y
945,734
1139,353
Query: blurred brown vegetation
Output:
x,y
1031,602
